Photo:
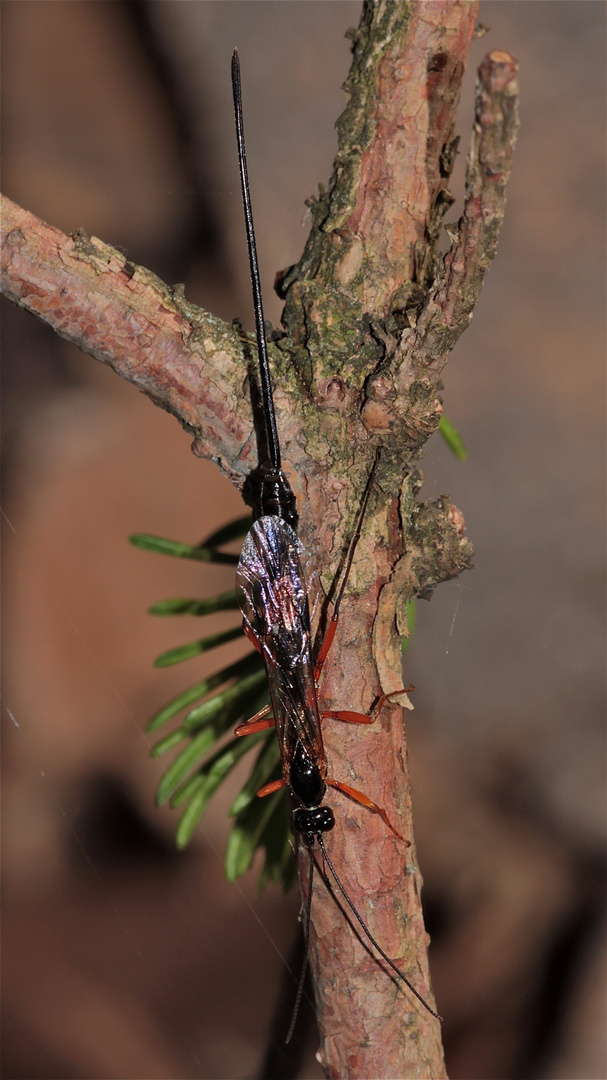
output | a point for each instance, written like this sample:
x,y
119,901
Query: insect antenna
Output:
x,y
364,926
304,966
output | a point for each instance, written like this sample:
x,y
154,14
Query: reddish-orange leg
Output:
x,y
269,789
364,800
260,722
358,796
252,636
363,718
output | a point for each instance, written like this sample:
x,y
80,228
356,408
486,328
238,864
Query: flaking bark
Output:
x,y
371,313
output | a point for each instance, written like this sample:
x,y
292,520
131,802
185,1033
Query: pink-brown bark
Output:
x,y
124,316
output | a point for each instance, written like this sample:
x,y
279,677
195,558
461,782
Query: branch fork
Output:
x,y
372,311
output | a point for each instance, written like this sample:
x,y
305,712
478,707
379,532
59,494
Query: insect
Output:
x,y
276,619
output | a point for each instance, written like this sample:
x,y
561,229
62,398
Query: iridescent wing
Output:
x,y
274,604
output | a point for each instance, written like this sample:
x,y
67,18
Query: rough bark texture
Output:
x,y
371,314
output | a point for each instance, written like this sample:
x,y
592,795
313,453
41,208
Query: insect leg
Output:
x,y
252,636
347,716
363,718
327,641
332,627
260,722
364,800
269,789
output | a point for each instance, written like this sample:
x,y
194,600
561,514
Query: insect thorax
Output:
x,y
305,779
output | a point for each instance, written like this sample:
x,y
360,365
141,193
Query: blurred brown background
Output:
x,y
121,958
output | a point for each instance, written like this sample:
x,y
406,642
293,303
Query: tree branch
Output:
x,y
453,297
371,311
186,360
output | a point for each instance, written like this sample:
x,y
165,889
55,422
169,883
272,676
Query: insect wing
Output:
x,y
274,604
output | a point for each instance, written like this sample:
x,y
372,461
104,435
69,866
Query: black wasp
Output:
x,y
276,617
